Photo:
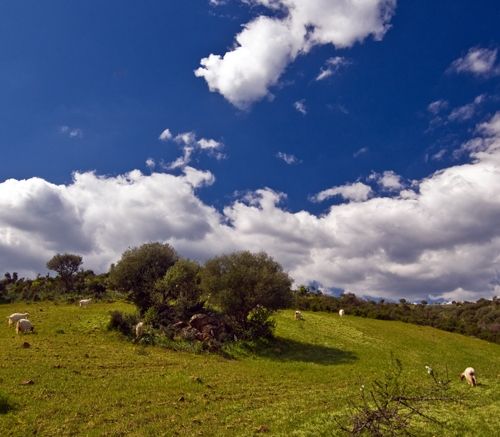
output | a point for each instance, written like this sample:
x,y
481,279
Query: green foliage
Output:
x,y
480,319
138,270
66,265
180,288
259,323
123,322
239,282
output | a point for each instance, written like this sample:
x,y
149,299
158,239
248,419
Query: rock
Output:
x,y
189,333
179,325
26,345
27,382
199,321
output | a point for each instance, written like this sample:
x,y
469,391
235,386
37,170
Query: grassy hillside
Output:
x,y
92,382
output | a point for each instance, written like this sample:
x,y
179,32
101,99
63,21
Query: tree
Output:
x,y
240,282
66,265
138,270
180,287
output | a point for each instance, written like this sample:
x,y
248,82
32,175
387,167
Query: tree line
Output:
x,y
242,288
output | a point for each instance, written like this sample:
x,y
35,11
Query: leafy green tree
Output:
x,y
138,270
66,265
239,282
180,287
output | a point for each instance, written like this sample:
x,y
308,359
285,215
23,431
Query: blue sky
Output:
x,y
353,141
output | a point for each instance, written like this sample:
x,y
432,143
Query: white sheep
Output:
x,y
85,302
23,326
341,313
139,330
298,315
13,318
470,375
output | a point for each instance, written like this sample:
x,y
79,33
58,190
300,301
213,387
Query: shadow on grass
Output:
x,y
281,349
5,404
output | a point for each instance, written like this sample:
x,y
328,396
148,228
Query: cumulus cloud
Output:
x,y
287,158
332,65
439,238
150,163
356,192
99,217
267,45
478,62
191,144
388,180
165,135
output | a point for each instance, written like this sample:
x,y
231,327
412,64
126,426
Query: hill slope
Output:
x,y
90,381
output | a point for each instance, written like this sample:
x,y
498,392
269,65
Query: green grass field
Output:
x,y
89,381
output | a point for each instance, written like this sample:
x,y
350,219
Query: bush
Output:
x,y
389,406
259,324
180,288
240,282
138,270
124,323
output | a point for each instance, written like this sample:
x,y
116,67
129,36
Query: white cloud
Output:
x,y
209,144
165,135
190,145
478,62
183,160
300,106
186,138
288,158
388,180
198,178
437,106
71,132
267,45
150,163
356,192
466,112
439,155
332,65
440,238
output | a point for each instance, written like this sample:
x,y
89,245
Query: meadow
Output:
x,y
90,381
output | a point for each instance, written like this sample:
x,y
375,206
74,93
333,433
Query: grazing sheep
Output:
x,y
298,315
470,375
85,302
139,330
13,318
23,326
341,313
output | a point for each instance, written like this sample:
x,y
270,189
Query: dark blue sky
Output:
x,y
90,85
121,71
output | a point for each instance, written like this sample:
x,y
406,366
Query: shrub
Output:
x,y
138,270
388,406
259,324
123,323
240,282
